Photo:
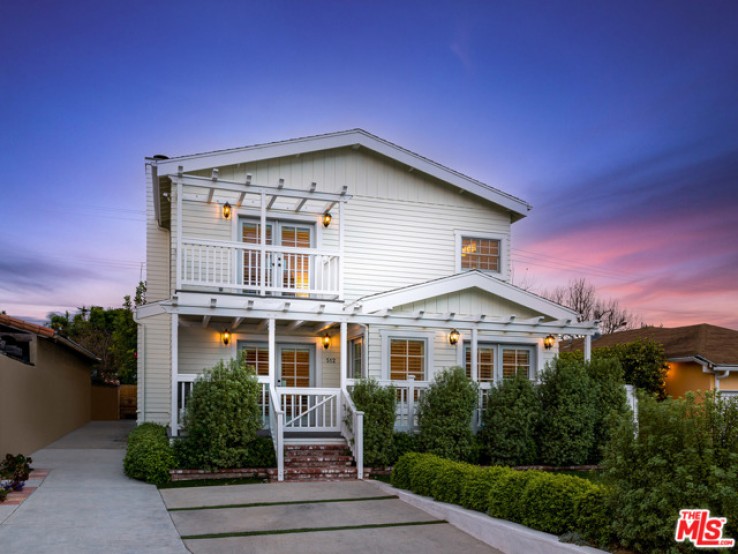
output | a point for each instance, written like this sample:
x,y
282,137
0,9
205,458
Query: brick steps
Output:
x,y
317,462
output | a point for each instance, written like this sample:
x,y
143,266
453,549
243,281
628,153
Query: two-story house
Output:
x,y
326,259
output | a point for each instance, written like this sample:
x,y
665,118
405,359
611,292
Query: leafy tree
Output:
x,y
110,334
510,423
643,362
445,415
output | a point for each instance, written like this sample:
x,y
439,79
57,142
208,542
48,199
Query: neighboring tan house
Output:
x,y
325,259
44,386
700,357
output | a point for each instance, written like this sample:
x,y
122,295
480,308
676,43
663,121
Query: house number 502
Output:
x,y
330,360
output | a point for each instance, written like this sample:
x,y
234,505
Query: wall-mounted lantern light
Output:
x,y
327,218
548,342
227,210
453,336
226,336
326,341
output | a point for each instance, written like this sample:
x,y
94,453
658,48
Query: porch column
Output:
x,y
272,349
344,354
262,245
474,346
340,249
587,348
173,419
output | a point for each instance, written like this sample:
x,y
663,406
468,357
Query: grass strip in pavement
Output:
x,y
284,503
307,530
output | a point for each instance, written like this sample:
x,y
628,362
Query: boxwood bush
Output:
x,y
445,415
545,501
378,404
149,456
510,423
223,416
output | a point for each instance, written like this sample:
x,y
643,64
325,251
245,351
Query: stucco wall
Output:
x,y
687,376
43,402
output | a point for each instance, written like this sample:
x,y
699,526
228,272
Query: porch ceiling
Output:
x,y
257,324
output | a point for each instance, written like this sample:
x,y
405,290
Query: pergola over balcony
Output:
x,y
257,267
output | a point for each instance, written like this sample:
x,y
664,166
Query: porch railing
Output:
x,y
310,409
352,429
276,427
239,266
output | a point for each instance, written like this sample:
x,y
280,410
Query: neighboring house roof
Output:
x,y
458,282
47,333
351,138
717,345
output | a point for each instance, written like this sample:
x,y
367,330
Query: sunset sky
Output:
x,y
617,121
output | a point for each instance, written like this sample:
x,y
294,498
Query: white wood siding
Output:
x,y
399,225
155,391
201,349
157,250
469,302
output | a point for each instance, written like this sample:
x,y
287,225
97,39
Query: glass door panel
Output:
x,y
251,234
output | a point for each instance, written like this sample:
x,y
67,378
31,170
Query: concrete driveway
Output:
x,y
316,517
86,504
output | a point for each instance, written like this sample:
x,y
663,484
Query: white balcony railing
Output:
x,y
242,267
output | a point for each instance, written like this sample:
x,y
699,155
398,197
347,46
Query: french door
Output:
x,y
290,272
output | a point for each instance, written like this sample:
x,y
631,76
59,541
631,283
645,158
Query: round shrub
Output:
x,y
149,456
223,416
510,423
403,469
445,415
378,404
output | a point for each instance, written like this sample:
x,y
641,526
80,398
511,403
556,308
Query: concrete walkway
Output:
x,y
316,517
86,504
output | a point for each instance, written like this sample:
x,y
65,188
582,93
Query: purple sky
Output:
x,y
618,121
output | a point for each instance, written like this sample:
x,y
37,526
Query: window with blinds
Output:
x,y
407,357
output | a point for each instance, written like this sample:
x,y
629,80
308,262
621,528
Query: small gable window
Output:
x,y
480,253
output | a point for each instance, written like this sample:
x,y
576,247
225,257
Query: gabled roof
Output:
x,y
45,332
717,345
459,282
352,138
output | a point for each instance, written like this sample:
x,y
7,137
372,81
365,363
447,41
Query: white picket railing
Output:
x,y
352,429
237,266
310,409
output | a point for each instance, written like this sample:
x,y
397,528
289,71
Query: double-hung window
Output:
x,y
356,358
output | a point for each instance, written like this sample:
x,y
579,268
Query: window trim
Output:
x,y
459,235
351,359
499,345
388,334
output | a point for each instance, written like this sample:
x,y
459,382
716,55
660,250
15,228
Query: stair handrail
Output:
x,y
276,424
354,435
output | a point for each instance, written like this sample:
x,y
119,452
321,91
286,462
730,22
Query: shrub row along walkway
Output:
x,y
319,517
86,505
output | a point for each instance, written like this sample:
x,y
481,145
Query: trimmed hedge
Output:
x,y
545,501
149,456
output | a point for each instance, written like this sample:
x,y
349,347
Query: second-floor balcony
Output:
x,y
237,267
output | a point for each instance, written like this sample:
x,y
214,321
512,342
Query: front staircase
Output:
x,y
318,462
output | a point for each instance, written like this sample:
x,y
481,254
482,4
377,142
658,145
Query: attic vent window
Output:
x,y
480,253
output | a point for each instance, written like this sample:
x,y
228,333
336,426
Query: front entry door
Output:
x,y
295,365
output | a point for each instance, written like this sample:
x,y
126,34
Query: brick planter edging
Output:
x,y
236,473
